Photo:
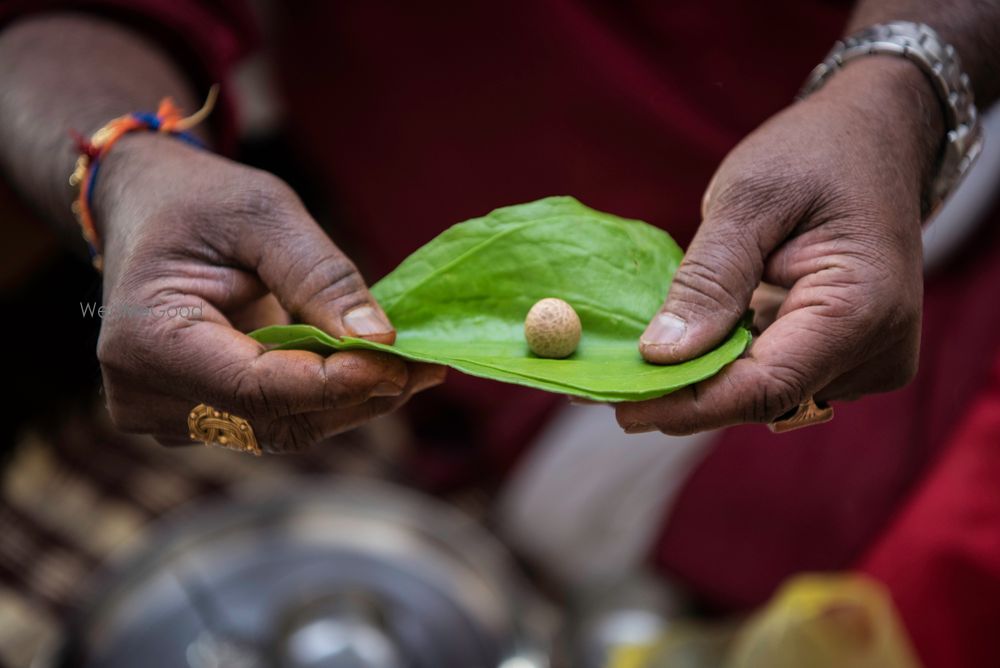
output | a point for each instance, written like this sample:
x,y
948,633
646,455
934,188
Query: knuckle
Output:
x,y
260,196
293,434
341,384
780,393
746,193
249,395
677,414
716,276
351,376
333,278
902,372
780,194
766,189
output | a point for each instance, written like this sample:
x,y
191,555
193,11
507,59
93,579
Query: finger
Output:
x,y
299,432
168,422
227,288
313,279
712,287
423,376
800,353
138,412
166,416
889,369
259,313
208,361
236,372
766,302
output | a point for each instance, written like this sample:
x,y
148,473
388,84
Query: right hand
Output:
x,y
186,228
824,202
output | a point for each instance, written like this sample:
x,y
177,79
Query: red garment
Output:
x,y
940,557
764,506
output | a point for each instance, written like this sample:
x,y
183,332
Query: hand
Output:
x,y
823,201
214,248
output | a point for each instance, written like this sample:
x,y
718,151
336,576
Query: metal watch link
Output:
x,y
938,60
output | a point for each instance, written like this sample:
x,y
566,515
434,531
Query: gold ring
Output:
x,y
808,413
214,427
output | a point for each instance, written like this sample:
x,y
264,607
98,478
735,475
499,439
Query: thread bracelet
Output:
x,y
168,120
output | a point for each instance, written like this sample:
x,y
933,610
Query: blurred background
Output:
x,y
379,549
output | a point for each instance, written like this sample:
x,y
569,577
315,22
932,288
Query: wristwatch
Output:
x,y
938,60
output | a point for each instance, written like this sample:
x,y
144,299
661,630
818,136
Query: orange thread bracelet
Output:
x,y
166,120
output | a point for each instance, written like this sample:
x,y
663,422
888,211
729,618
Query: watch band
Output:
x,y
938,60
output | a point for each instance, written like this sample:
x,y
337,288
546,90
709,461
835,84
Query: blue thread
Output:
x,y
189,138
148,119
152,123
90,184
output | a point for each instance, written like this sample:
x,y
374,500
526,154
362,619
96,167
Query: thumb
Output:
x,y
317,283
710,291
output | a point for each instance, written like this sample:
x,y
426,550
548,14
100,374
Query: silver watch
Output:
x,y
920,44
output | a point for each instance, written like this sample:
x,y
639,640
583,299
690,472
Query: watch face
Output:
x,y
358,575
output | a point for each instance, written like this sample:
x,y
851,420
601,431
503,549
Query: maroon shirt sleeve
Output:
x,y
206,38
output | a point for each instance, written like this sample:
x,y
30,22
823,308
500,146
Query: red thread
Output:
x,y
169,120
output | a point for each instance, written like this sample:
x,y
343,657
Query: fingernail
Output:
x,y
640,428
366,321
666,329
386,389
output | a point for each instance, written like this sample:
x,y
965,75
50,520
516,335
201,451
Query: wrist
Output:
x,y
96,154
897,102
122,197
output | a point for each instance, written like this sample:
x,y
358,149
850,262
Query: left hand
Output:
x,y
823,200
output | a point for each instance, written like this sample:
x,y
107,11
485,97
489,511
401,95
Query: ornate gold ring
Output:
x,y
214,427
807,414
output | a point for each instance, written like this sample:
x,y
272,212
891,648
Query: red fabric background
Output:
x,y
941,556
763,506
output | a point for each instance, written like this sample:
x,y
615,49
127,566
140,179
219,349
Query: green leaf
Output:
x,y
462,298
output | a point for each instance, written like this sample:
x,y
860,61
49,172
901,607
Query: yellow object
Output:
x,y
214,427
814,621
807,414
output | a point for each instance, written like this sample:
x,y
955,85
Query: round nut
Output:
x,y
552,328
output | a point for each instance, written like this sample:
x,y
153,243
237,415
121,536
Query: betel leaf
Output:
x,y
462,298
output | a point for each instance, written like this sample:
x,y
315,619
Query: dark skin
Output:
x,y
253,258
822,201
822,204
800,205
182,227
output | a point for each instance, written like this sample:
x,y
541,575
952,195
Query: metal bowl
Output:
x,y
355,574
